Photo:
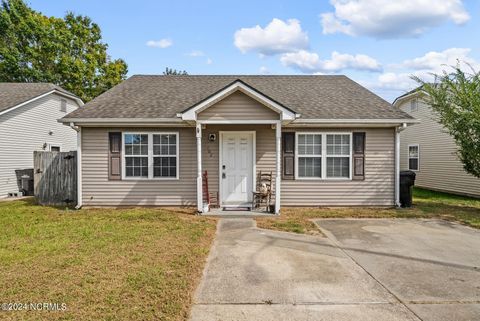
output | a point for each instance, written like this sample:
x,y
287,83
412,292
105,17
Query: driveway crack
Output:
x,y
336,244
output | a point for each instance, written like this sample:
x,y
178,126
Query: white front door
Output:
x,y
236,168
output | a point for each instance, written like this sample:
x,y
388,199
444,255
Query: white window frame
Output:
x,y
297,156
150,156
414,105
324,156
50,145
418,157
62,102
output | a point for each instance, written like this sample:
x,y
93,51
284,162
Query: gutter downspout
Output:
x,y
397,163
79,164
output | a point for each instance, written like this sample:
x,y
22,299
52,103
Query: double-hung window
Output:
x,y
323,155
338,155
309,155
150,155
413,156
165,155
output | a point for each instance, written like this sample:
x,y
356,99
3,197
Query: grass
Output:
x,y
427,204
104,264
142,264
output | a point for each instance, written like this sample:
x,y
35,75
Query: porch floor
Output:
x,y
220,212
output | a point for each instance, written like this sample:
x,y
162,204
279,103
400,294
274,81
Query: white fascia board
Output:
x,y
354,121
26,102
120,120
54,91
78,100
398,100
191,114
238,122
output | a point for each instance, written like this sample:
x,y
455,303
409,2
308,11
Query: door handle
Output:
x,y
224,175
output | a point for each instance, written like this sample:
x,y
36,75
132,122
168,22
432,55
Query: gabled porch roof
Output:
x,y
190,114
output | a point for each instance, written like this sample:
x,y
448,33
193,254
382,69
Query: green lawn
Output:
x,y
141,264
427,204
105,264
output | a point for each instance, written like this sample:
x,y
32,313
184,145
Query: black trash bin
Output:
x,y
407,180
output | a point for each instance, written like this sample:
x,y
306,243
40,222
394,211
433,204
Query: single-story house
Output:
x,y
327,140
429,151
29,114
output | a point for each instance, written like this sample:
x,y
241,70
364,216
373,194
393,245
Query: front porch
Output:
x,y
233,149
233,155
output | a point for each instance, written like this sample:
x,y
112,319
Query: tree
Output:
x,y
455,99
68,52
171,71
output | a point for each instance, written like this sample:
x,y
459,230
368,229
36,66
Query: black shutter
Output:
x,y
358,159
288,155
115,156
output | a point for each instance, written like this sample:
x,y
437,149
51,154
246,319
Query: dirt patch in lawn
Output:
x,y
427,204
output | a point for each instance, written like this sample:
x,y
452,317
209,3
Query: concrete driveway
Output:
x,y
362,270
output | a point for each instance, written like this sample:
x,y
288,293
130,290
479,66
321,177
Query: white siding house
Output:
x,y
28,123
430,151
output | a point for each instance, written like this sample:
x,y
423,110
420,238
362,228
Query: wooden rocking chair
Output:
x,y
208,198
263,192
206,194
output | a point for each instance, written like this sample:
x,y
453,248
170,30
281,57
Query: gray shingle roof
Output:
x,y
13,93
314,97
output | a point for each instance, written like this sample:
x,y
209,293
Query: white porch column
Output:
x,y
397,166
278,176
199,168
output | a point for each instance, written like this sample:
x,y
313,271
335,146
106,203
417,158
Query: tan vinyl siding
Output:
x,y
376,190
238,106
265,150
439,167
99,191
26,129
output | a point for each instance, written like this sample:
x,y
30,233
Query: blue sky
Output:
x,y
378,43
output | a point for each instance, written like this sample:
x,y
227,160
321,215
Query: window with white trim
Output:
x,y
413,157
136,155
338,155
164,155
150,155
63,105
414,104
310,155
323,155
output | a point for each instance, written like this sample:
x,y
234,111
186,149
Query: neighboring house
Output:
x,y
430,151
29,114
148,140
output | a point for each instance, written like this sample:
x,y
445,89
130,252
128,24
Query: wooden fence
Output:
x,y
55,178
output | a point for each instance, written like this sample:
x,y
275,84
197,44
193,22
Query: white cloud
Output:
x,y
277,37
398,76
264,70
162,43
435,61
209,61
310,62
196,53
391,19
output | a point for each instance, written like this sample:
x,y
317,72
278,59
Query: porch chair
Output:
x,y
208,198
206,194
263,191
